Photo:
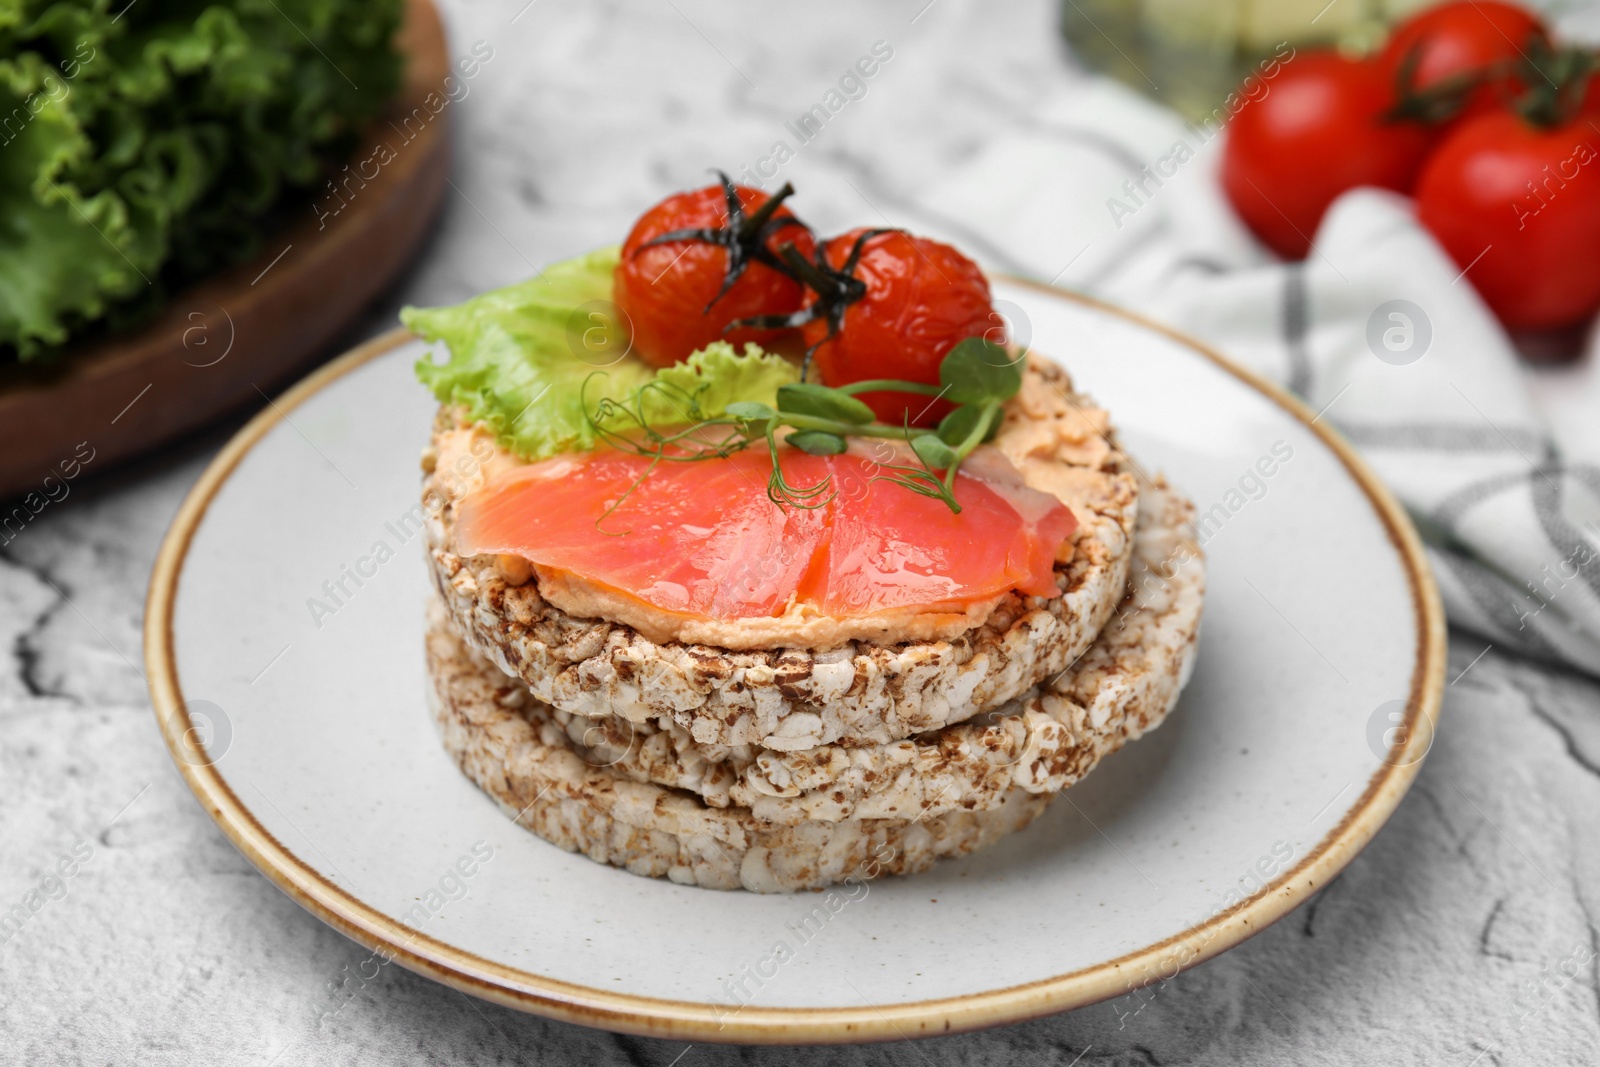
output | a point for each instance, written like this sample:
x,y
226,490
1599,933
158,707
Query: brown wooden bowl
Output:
x,y
229,340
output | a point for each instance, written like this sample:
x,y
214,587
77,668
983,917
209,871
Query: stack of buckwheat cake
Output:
x,y
800,764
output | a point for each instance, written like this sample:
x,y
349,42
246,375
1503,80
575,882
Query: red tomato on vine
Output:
x,y
1474,47
1517,206
700,261
1324,128
886,304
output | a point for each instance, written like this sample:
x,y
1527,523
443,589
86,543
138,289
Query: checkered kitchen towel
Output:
x,y
1498,463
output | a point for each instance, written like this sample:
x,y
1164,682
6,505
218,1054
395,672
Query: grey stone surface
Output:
x,y
1443,943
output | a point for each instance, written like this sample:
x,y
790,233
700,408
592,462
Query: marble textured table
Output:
x,y
1464,935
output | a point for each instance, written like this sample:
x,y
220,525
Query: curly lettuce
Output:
x,y
711,379
143,145
532,361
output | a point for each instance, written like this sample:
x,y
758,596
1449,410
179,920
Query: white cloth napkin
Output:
x,y
1498,463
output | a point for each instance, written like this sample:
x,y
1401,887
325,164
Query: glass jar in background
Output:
x,y
1191,54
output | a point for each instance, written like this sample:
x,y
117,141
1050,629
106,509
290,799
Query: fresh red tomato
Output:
x,y
1591,95
1319,131
917,299
1461,38
700,260
1518,208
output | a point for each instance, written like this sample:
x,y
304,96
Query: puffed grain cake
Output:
x,y
541,783
516,750
859,693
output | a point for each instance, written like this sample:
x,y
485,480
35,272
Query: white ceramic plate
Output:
x,y
305,732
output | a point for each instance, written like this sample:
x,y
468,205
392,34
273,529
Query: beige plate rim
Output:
x,y
692,1021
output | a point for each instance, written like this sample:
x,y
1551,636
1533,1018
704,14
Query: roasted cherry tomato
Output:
x,y
1518,207
1465,40
1321,130
701,260
916,298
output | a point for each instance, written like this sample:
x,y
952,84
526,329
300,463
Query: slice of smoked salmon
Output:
x,y
697,538
889,547
702,538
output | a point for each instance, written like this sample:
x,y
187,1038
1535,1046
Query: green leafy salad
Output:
x,y
143,144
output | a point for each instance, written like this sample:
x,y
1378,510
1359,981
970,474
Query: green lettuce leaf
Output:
x,y
532,361
714,377
144,145
62,255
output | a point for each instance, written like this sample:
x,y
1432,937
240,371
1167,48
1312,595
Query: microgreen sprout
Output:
x,y
978,375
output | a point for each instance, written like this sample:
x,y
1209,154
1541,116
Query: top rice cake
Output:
x,y
794,688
